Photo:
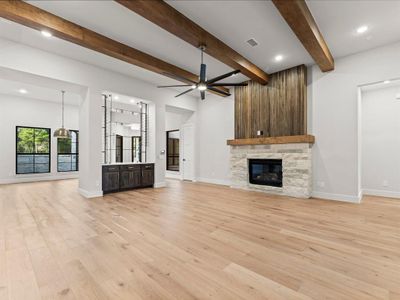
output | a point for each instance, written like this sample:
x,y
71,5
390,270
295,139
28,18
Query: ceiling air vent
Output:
x,y
252,42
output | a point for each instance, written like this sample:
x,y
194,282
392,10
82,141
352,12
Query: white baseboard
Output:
x,y
337,197
176,175
160,184
381,193
214,181
90,194
35,178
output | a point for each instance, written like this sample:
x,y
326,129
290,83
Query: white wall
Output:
x,y
31,60
175,119
381,142
334,119
216,126
22,111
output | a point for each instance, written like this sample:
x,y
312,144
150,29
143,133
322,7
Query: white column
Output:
x,y
90,145
160,145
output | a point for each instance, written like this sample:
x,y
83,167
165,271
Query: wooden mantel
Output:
x,y
293,139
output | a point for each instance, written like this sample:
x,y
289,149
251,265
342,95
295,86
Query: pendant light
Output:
x,y
62,133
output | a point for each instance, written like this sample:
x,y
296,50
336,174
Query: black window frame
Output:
x,y
33,154
76,153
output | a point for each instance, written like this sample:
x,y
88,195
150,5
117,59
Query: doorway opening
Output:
x,y
173,139
379,139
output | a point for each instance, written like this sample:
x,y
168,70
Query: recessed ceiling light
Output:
x,y
132,100
362,29
46,33
23,91
278,58
386,81
116,97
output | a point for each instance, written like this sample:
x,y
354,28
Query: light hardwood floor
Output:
x,y
194,241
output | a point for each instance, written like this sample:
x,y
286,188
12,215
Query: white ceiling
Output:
x,y
234,22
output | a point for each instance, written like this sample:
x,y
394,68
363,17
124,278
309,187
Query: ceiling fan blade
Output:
x,y
203,72
218,91
178,85
183,93
218,78
203,95
179,78
230,84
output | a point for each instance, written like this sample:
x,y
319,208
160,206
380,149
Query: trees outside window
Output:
x,y
32,150
68,153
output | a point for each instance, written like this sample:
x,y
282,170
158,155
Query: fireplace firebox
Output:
x,y
265,172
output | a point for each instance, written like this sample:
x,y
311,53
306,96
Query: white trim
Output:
x,y
160,184
337,197
172,174
90,194
381,193
214,181
34,178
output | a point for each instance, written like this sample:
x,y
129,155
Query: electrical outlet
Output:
x,y
321,184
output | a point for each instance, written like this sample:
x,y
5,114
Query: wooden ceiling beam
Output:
x,y
171,20
29,15
299,18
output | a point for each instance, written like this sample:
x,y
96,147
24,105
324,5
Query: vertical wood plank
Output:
x,y
278,109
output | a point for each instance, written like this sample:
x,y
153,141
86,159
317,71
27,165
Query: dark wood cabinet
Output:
x,y
147,175
130,176
125,177
111,178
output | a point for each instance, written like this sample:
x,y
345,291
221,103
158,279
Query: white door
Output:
x,y
188,152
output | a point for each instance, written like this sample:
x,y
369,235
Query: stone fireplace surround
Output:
x,y
296,163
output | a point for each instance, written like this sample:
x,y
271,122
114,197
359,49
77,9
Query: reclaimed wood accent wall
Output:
x,y
278,108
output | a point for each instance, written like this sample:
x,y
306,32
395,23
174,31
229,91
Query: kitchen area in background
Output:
x,y
125,130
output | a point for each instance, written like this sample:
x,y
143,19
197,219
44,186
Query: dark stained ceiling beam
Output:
x,y
34,17
299,18
171,20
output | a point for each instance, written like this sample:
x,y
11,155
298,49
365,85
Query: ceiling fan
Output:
x,y
203,84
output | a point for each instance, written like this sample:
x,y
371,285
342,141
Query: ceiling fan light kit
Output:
x,y
203,84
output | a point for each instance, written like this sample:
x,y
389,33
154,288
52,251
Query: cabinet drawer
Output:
x,y
130,168
148,167
110,168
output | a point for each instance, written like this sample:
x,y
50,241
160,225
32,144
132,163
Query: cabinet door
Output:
x,y
147,175
130,179
110,181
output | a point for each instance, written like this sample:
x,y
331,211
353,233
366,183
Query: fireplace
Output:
x,y
265,172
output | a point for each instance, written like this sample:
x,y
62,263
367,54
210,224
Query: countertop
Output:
x,y
128,163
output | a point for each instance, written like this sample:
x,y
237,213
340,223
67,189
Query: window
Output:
x,y
136,149
173,150
32,150
68,153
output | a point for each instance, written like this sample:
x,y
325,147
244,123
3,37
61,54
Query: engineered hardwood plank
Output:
x,y
194,241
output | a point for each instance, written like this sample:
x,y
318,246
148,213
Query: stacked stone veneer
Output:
x,y
296,165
